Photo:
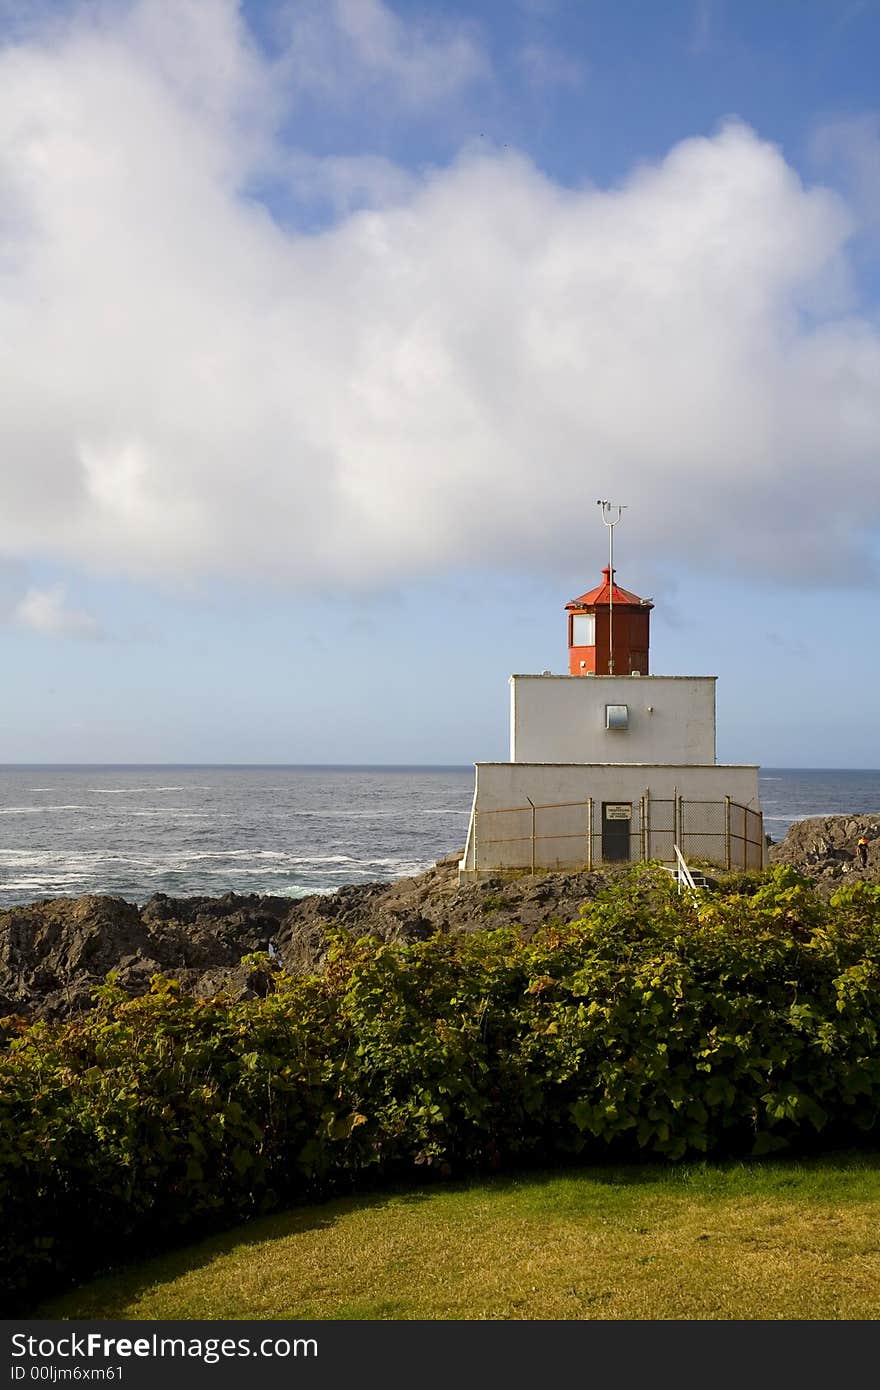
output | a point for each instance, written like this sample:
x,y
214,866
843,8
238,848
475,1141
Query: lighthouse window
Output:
x,y
583,630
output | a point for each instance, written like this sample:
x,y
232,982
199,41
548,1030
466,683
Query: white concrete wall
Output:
x,y
561,719
499,836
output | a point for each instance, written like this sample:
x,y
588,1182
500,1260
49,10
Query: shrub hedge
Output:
x,y
650,1026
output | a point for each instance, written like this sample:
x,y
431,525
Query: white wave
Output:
x,y
304,890
81,864
159,870
54,856
37,810
250,854
401,868
135,791
43,885
280,872
324,859
330,813
198,855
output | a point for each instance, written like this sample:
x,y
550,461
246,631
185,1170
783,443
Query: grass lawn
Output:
x,y
774,1239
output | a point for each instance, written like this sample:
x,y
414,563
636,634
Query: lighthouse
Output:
x,y
620,766
606,615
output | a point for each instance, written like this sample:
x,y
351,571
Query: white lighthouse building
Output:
x,y
610,762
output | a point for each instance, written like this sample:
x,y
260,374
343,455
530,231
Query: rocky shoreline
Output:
x,y
54,952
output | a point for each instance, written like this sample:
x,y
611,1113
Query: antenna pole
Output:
x,y
608,509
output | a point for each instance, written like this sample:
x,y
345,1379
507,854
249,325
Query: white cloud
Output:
x,y
344,183
446,380
45,611
851,148
339,48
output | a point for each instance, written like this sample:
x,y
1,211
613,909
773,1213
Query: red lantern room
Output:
x,y
604,616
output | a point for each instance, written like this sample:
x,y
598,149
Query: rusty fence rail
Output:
x,y
565,834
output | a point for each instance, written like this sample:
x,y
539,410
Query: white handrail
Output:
x,y
684,871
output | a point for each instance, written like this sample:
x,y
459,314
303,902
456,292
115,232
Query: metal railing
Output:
x,y
566,834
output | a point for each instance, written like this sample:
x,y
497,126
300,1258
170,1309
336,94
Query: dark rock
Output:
x,y
824,848
53,953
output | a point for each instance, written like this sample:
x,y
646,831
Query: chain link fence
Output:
x,y
579,834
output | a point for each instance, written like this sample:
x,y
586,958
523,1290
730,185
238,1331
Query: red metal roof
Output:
x,y
601,594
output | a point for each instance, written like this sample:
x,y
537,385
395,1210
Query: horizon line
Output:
x,y
346,767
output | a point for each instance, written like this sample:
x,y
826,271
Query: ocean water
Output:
x,y
789,794
290,831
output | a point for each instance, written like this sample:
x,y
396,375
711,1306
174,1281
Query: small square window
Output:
x,y
616,716
583,630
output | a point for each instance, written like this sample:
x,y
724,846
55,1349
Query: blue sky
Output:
x,y
325,324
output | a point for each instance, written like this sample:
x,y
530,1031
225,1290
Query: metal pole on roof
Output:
x,y
607,509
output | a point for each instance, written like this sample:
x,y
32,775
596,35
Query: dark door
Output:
x,y
616,824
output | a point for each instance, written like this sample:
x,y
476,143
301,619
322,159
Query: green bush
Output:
x,y
651,1026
